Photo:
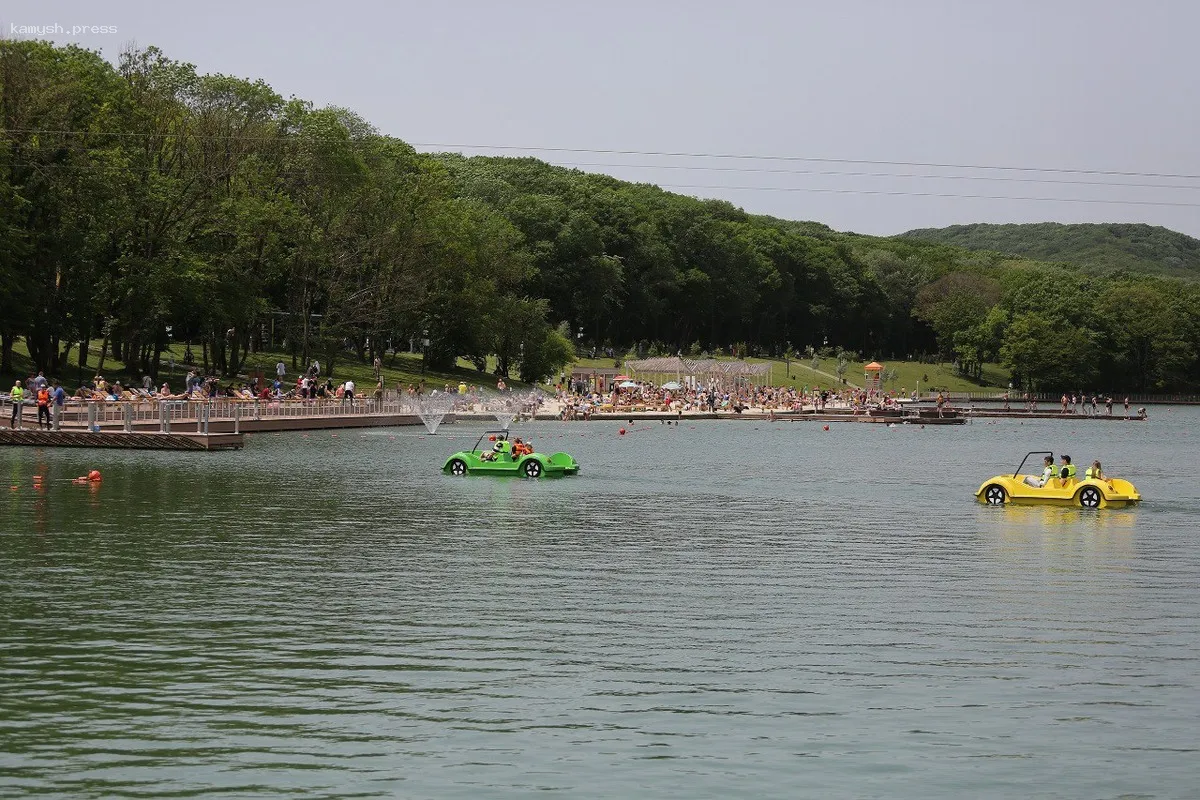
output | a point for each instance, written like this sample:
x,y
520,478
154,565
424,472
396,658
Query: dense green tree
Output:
x,y
1146,336
1044,356
143,202
954,304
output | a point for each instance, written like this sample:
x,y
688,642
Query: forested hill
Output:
x,y
1095,247
143,203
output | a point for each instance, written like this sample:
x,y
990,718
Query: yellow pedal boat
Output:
x,y
1085,493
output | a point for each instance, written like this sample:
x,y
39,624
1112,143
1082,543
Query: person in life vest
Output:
x,y
1094,471
500,447
520,448
1066,470
43,406
1047,474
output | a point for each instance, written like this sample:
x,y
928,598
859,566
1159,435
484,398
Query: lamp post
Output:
x,y
424,349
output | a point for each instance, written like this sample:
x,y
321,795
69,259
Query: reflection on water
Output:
x,y
710,610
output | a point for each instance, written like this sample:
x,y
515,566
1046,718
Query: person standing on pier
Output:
x,y
17,395
43,406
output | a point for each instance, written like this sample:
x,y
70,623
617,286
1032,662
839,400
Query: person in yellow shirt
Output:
x,y
17,395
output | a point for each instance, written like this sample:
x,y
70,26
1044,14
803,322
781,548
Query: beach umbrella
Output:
x,y
672,385
627,384
621,378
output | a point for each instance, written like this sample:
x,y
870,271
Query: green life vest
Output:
x,y
1068,472
1090,473
17,393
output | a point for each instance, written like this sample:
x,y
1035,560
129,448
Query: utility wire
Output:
x,y
930,194
862,174
755,170
868,162
658,153
708,187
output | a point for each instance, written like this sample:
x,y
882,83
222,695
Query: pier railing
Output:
x,y
141,413
1017,399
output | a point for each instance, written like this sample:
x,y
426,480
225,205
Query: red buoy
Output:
x,y
826,427
622,431
94,476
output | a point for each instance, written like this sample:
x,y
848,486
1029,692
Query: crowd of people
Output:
x,y
1075,403
1069,403
579,401
37,389
575,399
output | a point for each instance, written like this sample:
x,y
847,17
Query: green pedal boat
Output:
x,y
501,455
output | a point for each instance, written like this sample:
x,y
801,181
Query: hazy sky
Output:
x,y
1100,85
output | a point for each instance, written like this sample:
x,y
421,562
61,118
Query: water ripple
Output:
x,y
707,611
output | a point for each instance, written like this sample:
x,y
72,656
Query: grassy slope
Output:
x,y
940,376
1095,247
405,368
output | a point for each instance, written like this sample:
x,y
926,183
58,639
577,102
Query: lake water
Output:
x,y
712,610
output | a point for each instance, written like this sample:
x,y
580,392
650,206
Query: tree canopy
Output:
x,y
143,202
1099,248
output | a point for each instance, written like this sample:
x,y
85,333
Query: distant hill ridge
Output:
x,y
1097,247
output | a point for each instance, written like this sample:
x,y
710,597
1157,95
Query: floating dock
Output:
x,y
911,417
121,440
992,413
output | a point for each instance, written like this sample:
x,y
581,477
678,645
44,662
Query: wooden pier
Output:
x,y
33,437
992,413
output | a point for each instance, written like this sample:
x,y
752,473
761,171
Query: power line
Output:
x,y
861,174
755,170
657,153
931,194
815,159
720,187
708,187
